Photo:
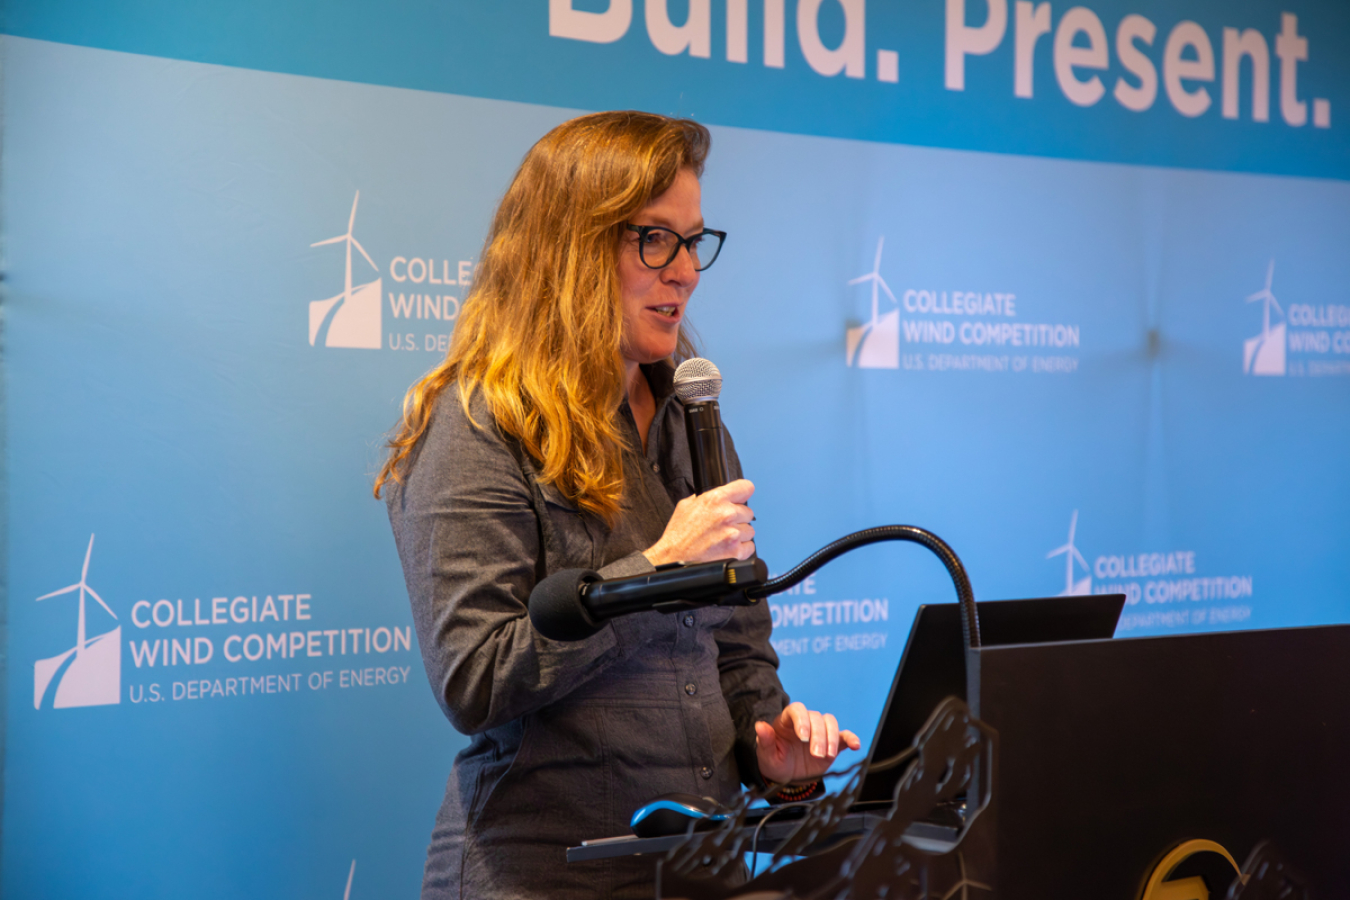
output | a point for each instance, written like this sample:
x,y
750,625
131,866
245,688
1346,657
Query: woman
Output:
x,y
549,438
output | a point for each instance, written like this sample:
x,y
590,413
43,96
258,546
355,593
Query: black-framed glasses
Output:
x,y
658,246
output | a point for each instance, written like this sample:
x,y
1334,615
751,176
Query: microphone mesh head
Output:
x,y
555,606
697,379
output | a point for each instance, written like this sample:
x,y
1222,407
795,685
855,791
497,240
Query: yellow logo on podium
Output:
x,y
1158,887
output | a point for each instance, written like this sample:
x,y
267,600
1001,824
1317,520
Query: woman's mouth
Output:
x,y
670,312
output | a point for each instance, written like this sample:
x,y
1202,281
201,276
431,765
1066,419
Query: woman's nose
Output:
x,y
682,268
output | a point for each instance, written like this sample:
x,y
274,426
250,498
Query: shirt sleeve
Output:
x,y
468,537
748,670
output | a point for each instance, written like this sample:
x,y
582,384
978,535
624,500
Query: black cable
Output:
x,y
754,841
893,761
888,763
970,620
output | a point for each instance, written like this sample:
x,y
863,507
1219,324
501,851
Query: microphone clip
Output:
x,y
573,604
693,585
738,575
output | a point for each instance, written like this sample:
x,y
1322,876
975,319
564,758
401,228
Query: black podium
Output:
x,y
1114,752
1121,761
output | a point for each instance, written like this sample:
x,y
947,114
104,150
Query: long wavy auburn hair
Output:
x,y
540,333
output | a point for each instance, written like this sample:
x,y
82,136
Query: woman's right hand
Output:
x,y
709,526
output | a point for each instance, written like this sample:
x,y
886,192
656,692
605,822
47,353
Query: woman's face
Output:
x,y
654,299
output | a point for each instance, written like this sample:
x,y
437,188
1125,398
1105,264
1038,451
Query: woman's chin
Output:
x,y
648,352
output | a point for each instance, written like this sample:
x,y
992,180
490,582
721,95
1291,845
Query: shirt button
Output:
x,y
691,689
656,467
689,620
706,772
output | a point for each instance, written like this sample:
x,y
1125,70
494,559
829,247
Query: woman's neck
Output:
x,y
640,399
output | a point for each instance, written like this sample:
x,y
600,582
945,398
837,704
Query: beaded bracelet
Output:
x,y
792,795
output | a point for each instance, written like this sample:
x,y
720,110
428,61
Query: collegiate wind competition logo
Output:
x,y
352,318
90,673
936,330
1167,584
425,292
1304,340
223,646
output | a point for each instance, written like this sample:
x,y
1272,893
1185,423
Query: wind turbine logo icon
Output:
x,y
90,673
876,345
1265,353
1070,553
352,318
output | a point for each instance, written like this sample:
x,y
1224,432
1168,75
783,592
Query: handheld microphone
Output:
x,y
573,604
698,383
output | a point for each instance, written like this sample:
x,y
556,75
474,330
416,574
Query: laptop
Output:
x,y
933,665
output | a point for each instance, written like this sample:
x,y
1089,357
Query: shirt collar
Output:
x,y
661,379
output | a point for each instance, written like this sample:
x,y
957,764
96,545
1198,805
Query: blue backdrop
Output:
x,y
1066,286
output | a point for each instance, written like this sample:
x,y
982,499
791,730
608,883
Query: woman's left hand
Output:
x,y
800,744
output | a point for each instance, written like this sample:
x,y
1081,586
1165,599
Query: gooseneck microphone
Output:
x,y
698,384
573,604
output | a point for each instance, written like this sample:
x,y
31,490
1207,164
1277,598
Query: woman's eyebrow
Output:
x,y
668,223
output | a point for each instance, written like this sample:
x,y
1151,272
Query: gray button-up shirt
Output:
x,y
568,739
